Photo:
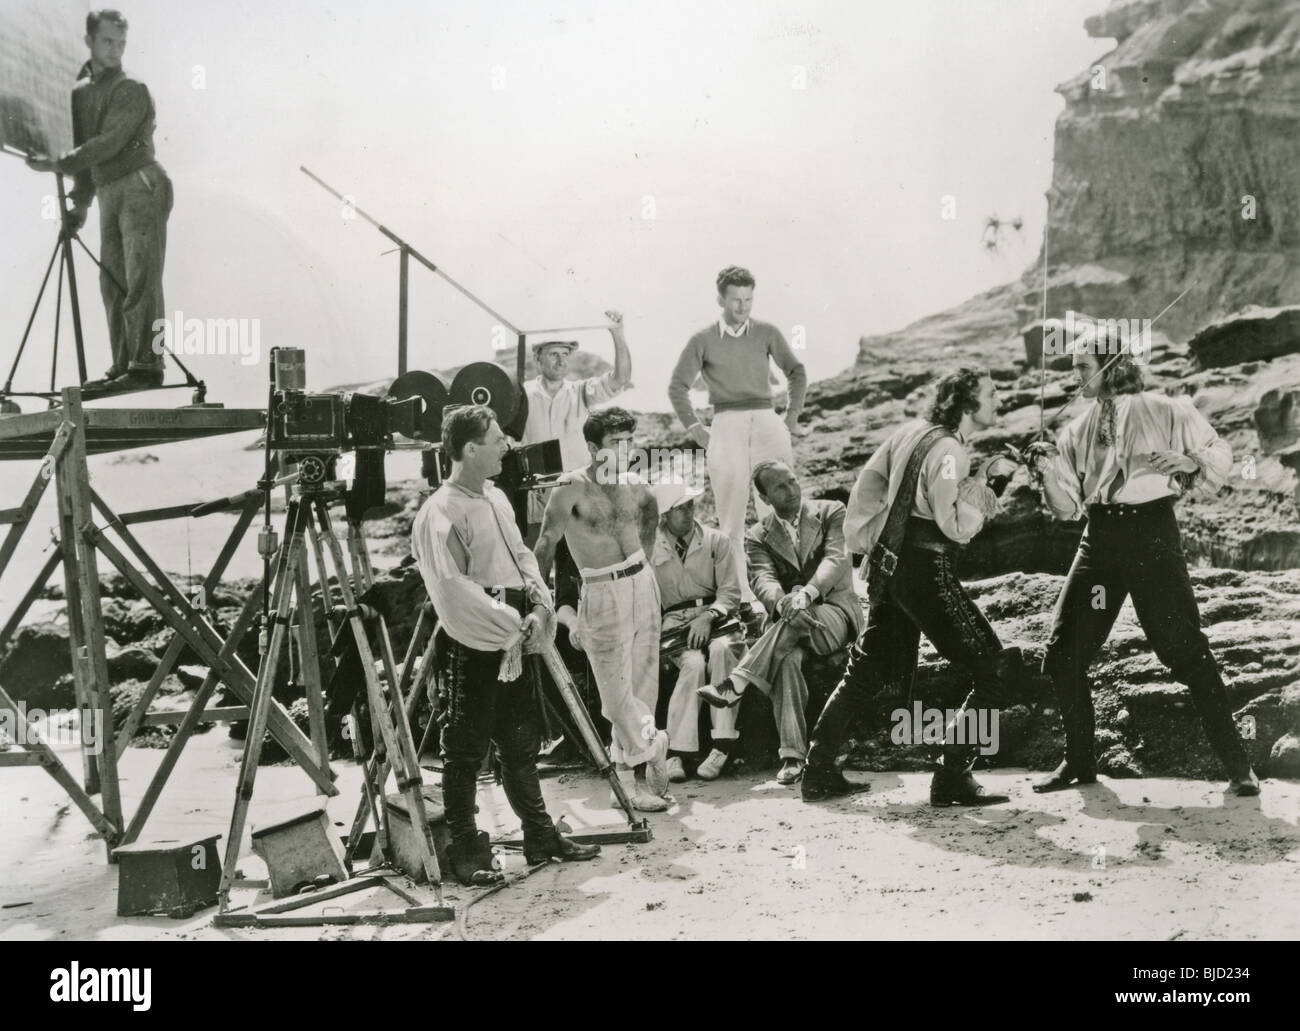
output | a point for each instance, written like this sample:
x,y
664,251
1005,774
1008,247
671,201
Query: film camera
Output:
x,y
314,429
526,467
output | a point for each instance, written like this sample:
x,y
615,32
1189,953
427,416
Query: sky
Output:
x,y
559,159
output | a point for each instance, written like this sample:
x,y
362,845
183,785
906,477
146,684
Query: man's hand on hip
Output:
x,y
700,434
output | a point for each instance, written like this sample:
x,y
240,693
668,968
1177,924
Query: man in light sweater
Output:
x,y
733,356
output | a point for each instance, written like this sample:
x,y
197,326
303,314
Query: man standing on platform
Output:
x,y
698,588
801,573
113,158
493,605
733,356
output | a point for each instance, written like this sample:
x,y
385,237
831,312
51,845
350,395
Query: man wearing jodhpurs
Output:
x,y
1123,461
912,508
113,159
493,607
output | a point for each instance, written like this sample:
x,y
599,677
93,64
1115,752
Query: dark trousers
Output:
x,y
1134,550
923,596
133,214
476,708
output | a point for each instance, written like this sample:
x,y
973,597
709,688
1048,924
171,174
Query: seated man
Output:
x,y
698,586
800,571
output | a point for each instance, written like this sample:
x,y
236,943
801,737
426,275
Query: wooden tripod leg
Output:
x,y
285,580
582,719
74,477
393,725
309,660
76,634
424,627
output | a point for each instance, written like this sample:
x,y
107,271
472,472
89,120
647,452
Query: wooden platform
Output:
x,y
28,437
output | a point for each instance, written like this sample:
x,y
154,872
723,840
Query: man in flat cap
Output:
x,y
558,407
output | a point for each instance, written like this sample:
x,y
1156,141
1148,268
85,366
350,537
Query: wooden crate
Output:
x,y
171,878
300,849
404,839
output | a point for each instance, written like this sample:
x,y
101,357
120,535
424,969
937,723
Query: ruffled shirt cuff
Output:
x,y
978,495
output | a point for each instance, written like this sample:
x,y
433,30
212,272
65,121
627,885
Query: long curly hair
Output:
x,y
957,393
1122,376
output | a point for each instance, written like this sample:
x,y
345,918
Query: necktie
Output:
x,y
682,545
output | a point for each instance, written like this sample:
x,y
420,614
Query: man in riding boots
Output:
x,y
915,504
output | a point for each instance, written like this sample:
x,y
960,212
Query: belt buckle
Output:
x,y
884,559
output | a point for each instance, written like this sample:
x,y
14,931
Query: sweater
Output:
x,y
735,370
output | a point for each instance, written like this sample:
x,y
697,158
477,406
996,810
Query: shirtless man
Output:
x,y
609,523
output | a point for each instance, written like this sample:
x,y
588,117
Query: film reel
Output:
x,y
486,383
433,389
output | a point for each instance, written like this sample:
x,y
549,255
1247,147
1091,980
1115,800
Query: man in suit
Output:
x,y
800,572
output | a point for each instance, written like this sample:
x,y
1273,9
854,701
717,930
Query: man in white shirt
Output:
x,y
1123,461
922,520
558,407
492,605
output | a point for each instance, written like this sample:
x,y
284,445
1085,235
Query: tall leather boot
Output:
x,y
846,702
953,783
1211,700
1080,764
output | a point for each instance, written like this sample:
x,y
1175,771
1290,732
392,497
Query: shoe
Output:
x,y
712,765
474,865
945,790
656,767
721,696
791,771
1063,777
134,379
557,846
676,771
820,785
1244,787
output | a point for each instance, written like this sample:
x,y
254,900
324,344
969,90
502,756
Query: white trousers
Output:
x,y
738,441
618,621
694,671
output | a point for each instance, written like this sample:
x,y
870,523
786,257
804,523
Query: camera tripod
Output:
x,y
64,255
394,749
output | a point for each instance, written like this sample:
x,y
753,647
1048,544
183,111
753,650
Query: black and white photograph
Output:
x,y
779,470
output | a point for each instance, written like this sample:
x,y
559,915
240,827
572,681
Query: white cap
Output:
x,y
673,493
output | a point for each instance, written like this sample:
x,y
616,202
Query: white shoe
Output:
x,y
712,766
676,771
656,767
791,771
